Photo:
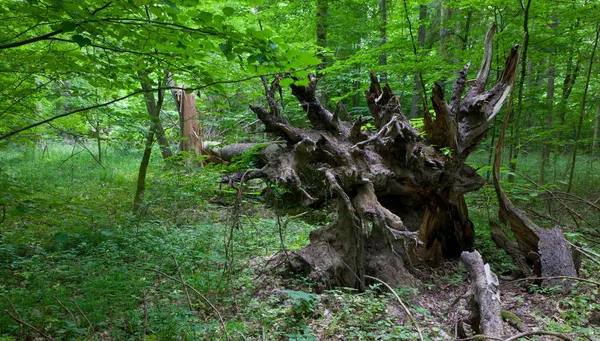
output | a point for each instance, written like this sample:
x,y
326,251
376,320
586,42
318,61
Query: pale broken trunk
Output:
x,y
192,135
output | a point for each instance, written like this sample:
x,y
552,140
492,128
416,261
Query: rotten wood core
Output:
x,y
399,191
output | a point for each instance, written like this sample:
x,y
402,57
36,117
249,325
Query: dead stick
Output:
x,y
21,322
410,315
15,310
145,315
82,313
586,252
553,277
187,293
538,332
67,309
197,293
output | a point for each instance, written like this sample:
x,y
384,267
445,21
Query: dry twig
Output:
x,y
67,309
15,310
197,293
410,315
553,277
518,336
21,322
185,289
82,313
145,315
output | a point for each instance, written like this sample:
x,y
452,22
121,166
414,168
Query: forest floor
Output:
x,y
75,264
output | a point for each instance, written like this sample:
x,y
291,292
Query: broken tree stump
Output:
x,y
486,317
556,258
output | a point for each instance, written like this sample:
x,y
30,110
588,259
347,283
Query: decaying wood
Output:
x,y
545,252
227,153
397,190
486,316
191,132
556,257
512,248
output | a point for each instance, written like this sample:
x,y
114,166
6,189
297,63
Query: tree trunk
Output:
x,y
596,127
141,180
395,189
582,109
192,134
538,249
383,33
154,108
417,101
176,93
545,155
321,22
516,138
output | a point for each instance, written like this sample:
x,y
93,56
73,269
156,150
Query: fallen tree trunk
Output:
x,y
227,153
538,251
399,191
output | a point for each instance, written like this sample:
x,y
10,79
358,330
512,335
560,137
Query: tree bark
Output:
x,y
399,194
596,128
545,154
486,317
192,134
141,180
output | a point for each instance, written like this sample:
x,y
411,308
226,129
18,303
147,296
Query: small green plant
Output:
x,y
303,303
446,151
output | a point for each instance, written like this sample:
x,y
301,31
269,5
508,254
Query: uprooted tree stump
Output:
x,y
399,192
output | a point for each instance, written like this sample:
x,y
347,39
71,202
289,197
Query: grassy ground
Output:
x,y
75,264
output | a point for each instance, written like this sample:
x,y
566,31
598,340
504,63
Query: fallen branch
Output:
x,y
21,322
538,332
187,294
145,316
586,252
485,301
197,293
410,315
82,313
67,309
518,336
552,277
14,309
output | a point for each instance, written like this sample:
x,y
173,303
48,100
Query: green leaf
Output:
x,y
60,237
68,26
228,11
170,4
301,82
307,58
286,82
81,40
205,16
